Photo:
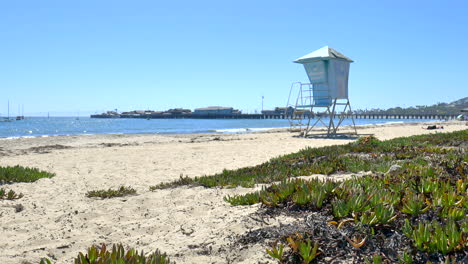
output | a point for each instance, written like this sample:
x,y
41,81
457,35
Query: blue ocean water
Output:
x,y
43,126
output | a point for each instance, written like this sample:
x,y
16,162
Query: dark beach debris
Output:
x,y
18,208
47,148
336,243
186,230
109,145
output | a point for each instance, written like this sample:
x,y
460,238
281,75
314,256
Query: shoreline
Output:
x,y
117,136
190,224
236,130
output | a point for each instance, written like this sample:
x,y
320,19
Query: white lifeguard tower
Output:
x,y
325,96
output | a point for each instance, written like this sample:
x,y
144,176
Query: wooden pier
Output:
x,y
372,116
280,116
414,116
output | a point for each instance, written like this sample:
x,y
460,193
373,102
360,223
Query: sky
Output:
x,y
81,57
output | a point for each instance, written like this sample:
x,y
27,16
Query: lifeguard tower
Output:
x,y
325,96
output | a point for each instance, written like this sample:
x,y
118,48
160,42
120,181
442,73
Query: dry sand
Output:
x,y
190,224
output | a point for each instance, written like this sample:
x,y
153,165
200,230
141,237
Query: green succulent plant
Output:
x,y
384,213
433,237
359,202
413,204
118,255
111,193
276,252
45,261
406,258
248,199
376,259
9,195
18,173
307,251
341,209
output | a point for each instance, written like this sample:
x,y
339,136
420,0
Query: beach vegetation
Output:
x,y
307,251
365,154
248,199
117,255
45,261
276,252
368,201
375,259
9,195
300,249
111,193
406,258
183,180
423,202
11,174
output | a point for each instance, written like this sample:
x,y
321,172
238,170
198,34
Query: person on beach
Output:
x,y
434,127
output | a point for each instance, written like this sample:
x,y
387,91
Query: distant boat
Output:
x,y
7,119
20,115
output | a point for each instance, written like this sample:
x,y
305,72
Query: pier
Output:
x,y
272,116
412,116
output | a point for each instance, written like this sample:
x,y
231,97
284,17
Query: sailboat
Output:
x,y
7,119
20,117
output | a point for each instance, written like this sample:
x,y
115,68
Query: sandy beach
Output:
x,y
190,224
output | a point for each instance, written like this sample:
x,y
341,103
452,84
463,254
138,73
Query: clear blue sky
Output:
x,y
68,56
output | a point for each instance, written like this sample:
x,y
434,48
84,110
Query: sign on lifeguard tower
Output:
x,y
328,72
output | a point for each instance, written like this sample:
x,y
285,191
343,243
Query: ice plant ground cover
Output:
x,y
13,174
117,255
111,193
18,173
412,214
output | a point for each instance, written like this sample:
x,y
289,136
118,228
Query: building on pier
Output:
x,y
179,111
216,110
279,111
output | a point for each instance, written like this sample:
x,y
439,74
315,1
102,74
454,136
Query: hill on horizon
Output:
x,y
452,108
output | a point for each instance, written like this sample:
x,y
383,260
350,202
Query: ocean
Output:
x,y
43,126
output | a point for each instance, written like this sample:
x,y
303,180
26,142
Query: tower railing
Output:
x,y
314,101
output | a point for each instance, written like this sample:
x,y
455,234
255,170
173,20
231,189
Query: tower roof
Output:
x,y
324,53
